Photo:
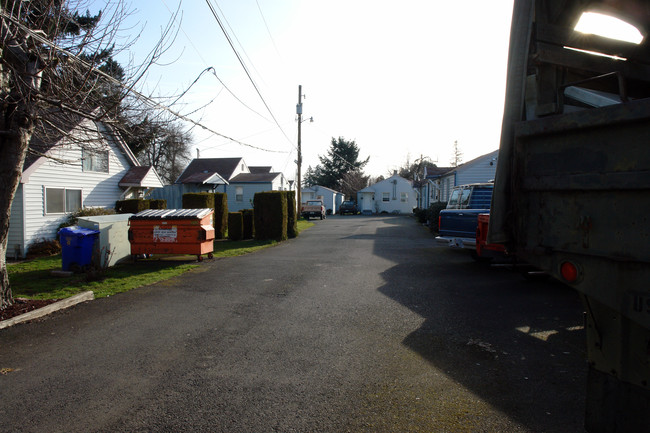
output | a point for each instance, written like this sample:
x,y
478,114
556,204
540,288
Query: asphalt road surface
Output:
x,y
361,324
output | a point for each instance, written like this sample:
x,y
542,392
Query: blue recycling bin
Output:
x,y
76,247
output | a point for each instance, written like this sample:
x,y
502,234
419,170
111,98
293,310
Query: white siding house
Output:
x,y
392,195
232,176
65,180
478,170
242,188
331,199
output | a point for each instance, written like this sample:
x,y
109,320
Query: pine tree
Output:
x,y
342,158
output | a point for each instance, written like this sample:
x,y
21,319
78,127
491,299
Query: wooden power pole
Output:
x,y
299,162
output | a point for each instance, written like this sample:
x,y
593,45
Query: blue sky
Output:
x,y
402,79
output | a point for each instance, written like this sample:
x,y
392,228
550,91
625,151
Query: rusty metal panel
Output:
x,y
582,191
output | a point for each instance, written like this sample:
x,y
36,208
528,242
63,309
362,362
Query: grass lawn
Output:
x,y
33,279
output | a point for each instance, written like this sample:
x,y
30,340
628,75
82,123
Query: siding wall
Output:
x,y
482,169
391,206
249,190
15,236
174,193
97,189
479,172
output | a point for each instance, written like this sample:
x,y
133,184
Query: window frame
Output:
x,y
95,161
65,200
385,196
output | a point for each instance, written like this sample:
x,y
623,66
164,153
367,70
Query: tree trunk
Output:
x,y
13,149
18,85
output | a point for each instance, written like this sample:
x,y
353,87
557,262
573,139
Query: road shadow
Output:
x,y
519,345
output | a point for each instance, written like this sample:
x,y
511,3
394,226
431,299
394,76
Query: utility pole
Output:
x,y
299,162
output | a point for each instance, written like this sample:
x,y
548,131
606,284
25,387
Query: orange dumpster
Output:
x,y
172,231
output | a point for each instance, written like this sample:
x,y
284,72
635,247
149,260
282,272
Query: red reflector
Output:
x,y
569,272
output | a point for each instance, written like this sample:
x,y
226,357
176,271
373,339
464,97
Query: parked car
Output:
x,y
348,207
313,208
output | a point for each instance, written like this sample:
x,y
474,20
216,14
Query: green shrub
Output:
x,y
421,215
157,204
292,220
432,215
220,215
248,230
270,215
73,218
133,205
235,226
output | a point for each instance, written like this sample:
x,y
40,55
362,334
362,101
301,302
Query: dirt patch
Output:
x,y
22,306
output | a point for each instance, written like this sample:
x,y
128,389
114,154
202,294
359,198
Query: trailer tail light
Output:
x,y
569,272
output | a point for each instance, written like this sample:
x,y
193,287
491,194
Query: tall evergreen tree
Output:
x,y
342,158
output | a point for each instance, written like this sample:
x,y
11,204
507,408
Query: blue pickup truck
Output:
x,y
458,222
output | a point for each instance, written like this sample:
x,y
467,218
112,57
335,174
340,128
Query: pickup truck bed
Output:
x,y
458,223
458,227
313,209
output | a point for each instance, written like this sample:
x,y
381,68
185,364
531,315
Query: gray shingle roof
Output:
x,y
254,177
225,167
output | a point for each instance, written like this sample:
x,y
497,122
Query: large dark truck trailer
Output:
x,y
572,188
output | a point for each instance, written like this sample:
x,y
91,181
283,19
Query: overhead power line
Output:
x,y
127,88
243,65
208,68
267,28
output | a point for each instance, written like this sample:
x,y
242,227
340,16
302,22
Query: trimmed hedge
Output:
x,y
292,220
220,215
217,201
158,204
198,200
136,205
235,226
270,215
248,230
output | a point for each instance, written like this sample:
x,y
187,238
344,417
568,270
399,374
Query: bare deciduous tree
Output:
x,y
55,67
353,182
161,142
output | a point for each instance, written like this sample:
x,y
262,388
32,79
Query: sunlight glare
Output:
x,y
609,27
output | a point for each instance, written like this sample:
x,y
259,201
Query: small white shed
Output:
x,y
331,199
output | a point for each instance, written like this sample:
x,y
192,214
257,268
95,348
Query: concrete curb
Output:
x,y
43,311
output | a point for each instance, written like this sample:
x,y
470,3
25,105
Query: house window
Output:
x,y
94,160
403,197
385,196
62,200
239,193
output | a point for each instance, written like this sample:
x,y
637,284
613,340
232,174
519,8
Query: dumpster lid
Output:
x,y
157,214
79,231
